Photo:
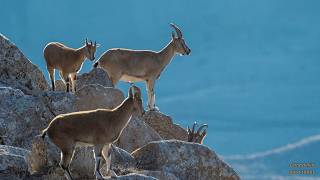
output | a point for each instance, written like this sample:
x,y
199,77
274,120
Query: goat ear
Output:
x,y
130,94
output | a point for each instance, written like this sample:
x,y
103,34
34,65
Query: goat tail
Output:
x,y
95,65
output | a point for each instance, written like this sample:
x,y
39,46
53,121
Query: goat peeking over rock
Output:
x,y
67,60
98,128
197,137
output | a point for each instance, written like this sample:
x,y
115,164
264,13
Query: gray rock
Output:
x,y
136,134
164,126
94,96
17,71
184,160
121,159
12,163
95,76
132,176
21,117
159,174
59,102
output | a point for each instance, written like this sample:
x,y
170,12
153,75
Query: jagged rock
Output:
x,y
12,163
132,176
185,160
59,102
21,117
136,134
121,159
17,71
95,96
164,126
159,175
95,76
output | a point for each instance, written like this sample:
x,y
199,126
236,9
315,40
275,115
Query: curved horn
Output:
x,y
86,41
194,126
95,43
130,94
91,42
179,33
201,127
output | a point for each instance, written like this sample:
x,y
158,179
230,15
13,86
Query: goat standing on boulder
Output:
x,y
98,128
67,60
142,65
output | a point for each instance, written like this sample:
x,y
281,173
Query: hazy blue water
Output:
x,y
254,71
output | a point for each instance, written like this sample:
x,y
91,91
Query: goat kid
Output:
x,y
67,60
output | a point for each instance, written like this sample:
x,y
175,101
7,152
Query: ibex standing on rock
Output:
x,y
98,128
197,137
142,65
67,60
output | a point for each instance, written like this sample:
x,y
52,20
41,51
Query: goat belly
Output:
x,y
128,78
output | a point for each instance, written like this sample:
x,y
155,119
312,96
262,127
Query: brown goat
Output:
x,y
98,128
67,60
142,65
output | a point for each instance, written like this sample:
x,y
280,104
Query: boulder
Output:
x,y
164,126
136,134
132,176
184,160
21,117
17,70
12,163
58,102
159,174
95,76
121,159
95,96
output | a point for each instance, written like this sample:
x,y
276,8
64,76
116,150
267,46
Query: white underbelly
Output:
x,y
132,79
83,144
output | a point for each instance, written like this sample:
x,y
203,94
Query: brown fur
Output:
x,y
97,128
67,60
141,65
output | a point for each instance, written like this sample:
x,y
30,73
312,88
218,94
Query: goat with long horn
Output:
x,y
198,136
142,65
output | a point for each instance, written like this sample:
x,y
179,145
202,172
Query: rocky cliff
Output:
x,y
142,152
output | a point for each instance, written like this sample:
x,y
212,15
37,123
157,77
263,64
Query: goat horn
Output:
x,y
90,42
95,43
201,127
194,126
86,41
179,33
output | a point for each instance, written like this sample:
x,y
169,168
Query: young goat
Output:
x,y
197,137
142,65
98,128
67,60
